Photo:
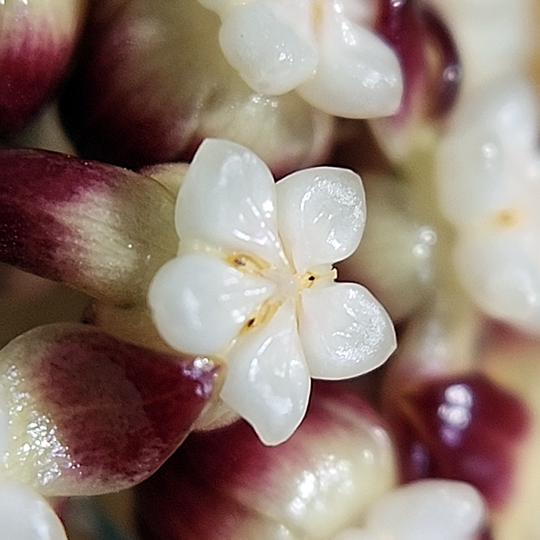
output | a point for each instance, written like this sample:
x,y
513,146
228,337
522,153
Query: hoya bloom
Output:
x,y
253,283
82,412
489,179
151,83
326,50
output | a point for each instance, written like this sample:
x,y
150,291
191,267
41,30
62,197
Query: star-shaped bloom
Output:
x,y
253,283
326,50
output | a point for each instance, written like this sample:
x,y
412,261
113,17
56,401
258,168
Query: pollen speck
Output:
x,y
507,218
317,15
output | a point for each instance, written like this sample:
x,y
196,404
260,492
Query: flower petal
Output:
x,y
26,515
428,510
153,83
200,302
321,215
267,50
268,383
501,272
89,414
344,330
227,200
358,75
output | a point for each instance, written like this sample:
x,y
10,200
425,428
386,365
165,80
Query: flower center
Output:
x,y
289,283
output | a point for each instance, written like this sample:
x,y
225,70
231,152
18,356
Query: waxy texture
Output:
x,y
254,284
89,414
95,227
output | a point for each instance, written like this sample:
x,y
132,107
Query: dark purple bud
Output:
x,y
427,53
461,428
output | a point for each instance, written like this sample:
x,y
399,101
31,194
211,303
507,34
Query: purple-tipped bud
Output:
x,y
37,38
83,413
227,485
95,227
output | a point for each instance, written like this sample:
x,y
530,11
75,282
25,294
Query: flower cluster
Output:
x,y
195,301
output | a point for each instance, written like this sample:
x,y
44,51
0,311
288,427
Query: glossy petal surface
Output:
x,y
344,330
358,74
428,510
227,201
269,54
25,515
268,382
208,304
321,215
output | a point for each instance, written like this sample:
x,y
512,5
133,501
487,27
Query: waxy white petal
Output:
x,y
268,382
344,330
266,50
25,515
489,158
358,74
321,215
200,303
428,510
502,274
227,201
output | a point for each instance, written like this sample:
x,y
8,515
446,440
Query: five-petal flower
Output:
x,y
253,283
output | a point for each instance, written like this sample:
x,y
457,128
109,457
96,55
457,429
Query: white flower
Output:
x,y
489,180
253,283
324,49
424,510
